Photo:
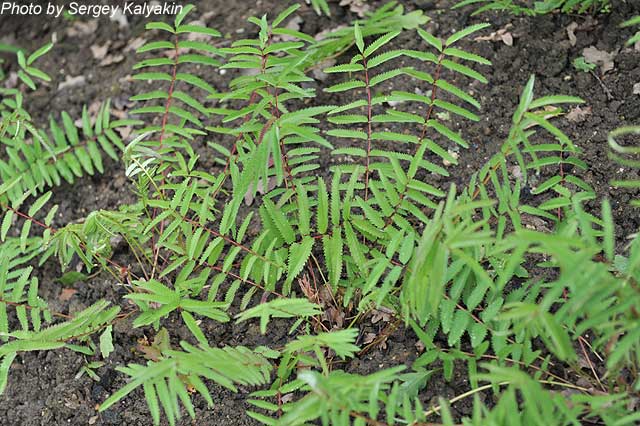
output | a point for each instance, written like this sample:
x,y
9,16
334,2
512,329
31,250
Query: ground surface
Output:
x,y
42,389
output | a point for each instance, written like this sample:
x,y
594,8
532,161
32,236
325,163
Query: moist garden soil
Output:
x,y
42,387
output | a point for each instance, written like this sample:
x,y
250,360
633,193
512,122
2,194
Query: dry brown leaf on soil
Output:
x,y
516,172
368,338
66,294
600,57
119,114
381,314
82,28
135,44
335,316
99,52
110,60
571,33
587,25
11,81
125,132
503,35
578,115
208,15
69,82
326,296
94,108
358,7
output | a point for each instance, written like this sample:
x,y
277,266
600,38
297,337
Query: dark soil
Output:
x,y
42,389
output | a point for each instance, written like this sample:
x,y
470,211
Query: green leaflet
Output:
x,y
280,308
281,222
333,246
298,255
106,342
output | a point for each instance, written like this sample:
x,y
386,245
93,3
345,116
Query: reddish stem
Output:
x,y
163,128
434,92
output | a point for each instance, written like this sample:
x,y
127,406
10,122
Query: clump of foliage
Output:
x,y
463,268
539,7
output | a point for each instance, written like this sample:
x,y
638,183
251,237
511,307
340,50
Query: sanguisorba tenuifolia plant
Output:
x,y
511,299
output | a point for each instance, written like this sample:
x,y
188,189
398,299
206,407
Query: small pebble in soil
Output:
x,y
425,4
111,417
